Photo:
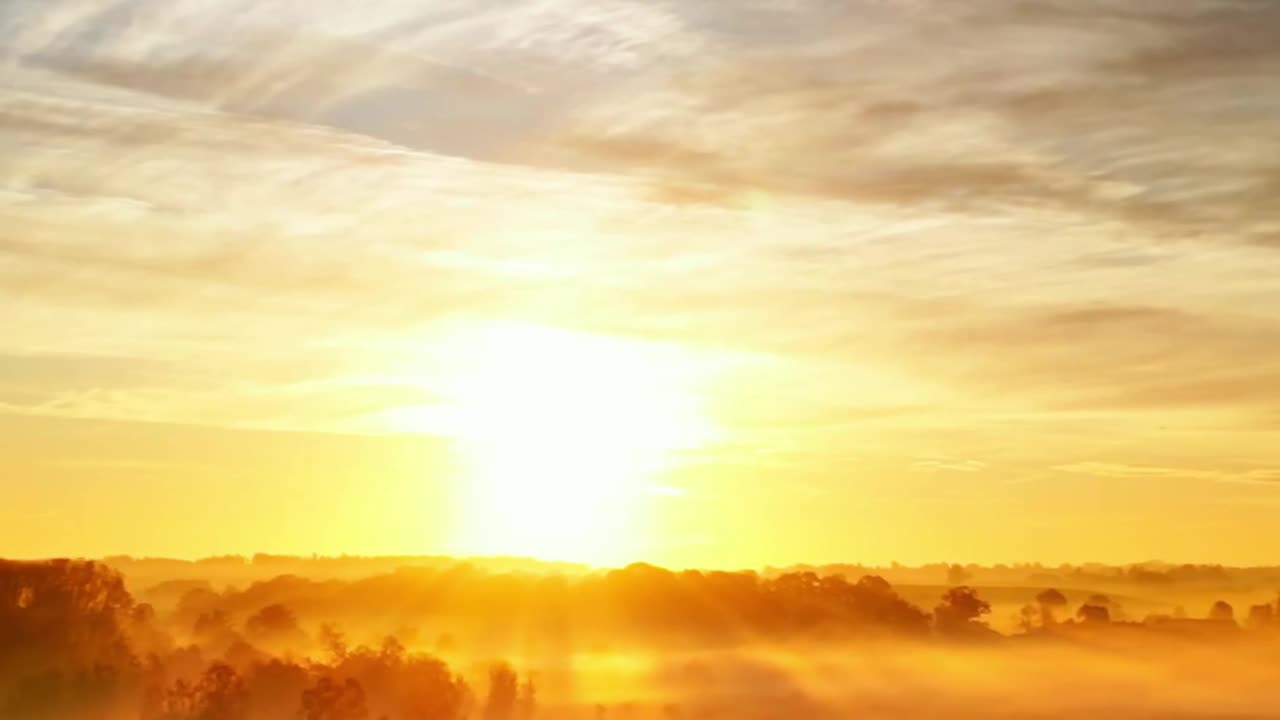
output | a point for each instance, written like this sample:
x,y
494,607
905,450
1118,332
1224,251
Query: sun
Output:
x,y
562,436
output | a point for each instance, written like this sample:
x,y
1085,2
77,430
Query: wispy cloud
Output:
x,y
977,212
947,465
1156,473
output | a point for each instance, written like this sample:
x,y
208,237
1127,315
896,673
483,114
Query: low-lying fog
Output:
x,y
438,640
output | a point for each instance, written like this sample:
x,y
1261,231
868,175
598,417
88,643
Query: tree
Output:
x,y
1050,601
1026,618
957,575
274,622
527,701
334,641
1091,613
1261,616
1222,612
331,700
63,613
213,631
500,704
1114,610
432,692
219,694
960,612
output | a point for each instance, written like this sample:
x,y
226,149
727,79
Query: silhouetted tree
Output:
x,y
957,575
65,644
1222,612
504,698
222,694
960,612
1113,608
1050,602
219,694
63,612
213,631
273,621
1027,618
500,704
1261,616
334,641
276,686
392,650
430,691
527,700
507,697
1091,613
329,699
57,693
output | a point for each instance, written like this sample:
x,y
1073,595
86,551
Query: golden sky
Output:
x,y
701,283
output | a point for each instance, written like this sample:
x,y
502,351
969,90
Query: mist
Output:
x,y
428,638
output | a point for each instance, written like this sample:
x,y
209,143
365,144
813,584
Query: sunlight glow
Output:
x,y
561,435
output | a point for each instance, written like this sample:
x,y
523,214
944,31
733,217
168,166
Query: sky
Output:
x,y
723,284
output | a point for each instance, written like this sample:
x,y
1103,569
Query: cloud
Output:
x,y
938,215
43,371
1147,472
959,466
1108,356
1115,114
334,404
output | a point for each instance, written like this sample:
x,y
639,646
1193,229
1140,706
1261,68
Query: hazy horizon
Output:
x,y
553,564
355,639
